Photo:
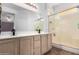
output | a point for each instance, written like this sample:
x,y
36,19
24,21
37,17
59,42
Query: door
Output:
x,y
49,41
9,47
44,43
26,45
37,45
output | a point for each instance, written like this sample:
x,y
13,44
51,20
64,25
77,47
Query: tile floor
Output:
x,y
57,51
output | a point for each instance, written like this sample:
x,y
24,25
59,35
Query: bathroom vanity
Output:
x,y
36,44
21,18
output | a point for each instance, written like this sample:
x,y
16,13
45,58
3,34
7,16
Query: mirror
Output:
x,y
6,20
7,17
7,23
0,17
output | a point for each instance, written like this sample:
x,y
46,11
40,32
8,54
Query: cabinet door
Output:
x,y
26,45
9,47
37,45
44,44
49,41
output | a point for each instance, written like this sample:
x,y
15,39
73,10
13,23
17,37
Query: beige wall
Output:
x,y
66,29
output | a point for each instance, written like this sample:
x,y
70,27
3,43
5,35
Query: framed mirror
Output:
x,y
0,17
7,21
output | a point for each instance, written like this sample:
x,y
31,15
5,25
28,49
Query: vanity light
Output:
x,y
32,5
28,6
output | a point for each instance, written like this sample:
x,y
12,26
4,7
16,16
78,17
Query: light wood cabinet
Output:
x,y
9,47
30,45
37,46
49,41
26,45
44,43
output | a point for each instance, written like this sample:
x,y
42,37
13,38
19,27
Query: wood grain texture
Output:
x,y
31,45
9,47
37,46
49,41
26,46
44,44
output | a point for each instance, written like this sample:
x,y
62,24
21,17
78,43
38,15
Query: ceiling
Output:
x,y
10,5
59,7
56,7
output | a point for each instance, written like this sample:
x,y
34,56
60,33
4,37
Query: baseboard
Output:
x,y
70,49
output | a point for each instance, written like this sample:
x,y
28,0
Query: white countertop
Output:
x,y
21,34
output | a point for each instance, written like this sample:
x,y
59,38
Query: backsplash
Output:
x,y
6,33
20,33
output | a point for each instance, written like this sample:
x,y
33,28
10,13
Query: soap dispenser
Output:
x,y
13,31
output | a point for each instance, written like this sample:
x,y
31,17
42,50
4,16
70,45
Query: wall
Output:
x,y
66,30
10,10
24,19
43,13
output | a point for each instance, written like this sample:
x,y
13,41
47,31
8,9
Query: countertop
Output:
x,y
21,34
